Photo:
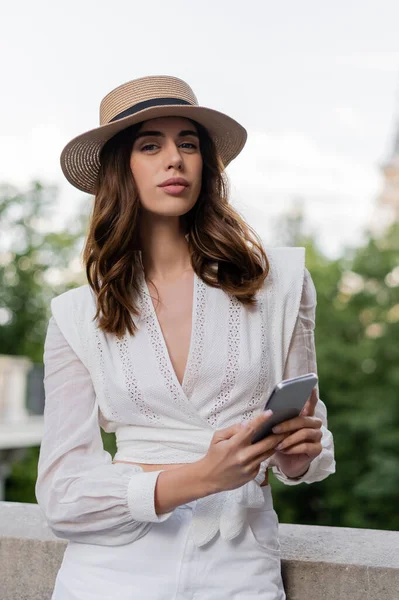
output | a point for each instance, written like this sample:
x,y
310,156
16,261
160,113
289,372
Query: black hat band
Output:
x,y
148,104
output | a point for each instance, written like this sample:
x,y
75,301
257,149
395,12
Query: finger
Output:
x,y
300,436
226,434
268,444
255,463
252,452
249,428
310,406
298,423
312,449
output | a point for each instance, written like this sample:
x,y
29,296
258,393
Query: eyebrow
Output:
x,y
182,133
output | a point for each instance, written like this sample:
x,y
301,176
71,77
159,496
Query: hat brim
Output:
x,y
80,159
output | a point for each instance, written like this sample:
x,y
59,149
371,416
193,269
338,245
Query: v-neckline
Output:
x,y
148,300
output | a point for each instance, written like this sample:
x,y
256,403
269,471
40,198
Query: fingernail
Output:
x,y
279,446
268,413
277,429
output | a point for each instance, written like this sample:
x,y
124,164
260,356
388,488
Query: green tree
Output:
x,y
357,353
357,328
35,266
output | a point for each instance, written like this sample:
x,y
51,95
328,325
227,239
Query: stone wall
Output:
x,y
319,563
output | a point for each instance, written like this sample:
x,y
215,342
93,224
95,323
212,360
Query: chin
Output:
x,y
173,208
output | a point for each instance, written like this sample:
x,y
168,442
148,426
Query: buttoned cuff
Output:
x,y
321,467
306,477
141,497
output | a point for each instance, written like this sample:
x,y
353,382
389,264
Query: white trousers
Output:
x,y
166,565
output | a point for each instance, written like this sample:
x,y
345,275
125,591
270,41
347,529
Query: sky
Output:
x,y
315,84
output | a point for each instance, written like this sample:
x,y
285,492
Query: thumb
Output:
x,y
309,408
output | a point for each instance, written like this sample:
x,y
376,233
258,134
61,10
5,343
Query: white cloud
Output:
x,y
379,61
338,192
352,119
35,156
274,169
31,155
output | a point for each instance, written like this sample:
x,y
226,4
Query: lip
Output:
x,y
174,190
174,181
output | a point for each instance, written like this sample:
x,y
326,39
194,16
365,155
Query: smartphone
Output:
x,y
286,401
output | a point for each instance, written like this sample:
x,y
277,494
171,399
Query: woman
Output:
x,y
175,344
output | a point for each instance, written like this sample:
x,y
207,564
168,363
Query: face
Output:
x,y
166,148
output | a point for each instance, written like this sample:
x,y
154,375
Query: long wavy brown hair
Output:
x,y
225,251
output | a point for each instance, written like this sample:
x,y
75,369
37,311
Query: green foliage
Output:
x,y
357,329
20,486
30,255
34,267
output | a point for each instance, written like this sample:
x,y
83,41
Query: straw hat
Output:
x,y
137,101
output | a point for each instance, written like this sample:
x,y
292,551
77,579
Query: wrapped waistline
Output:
x,y
226,512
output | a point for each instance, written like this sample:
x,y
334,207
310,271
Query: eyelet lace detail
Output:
x,y
148,315
131,382
196,354
265,299
232,361
255,399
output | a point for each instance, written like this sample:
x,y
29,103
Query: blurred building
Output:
x,y
387,206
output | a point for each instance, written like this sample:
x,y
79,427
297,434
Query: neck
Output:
x,y
164,249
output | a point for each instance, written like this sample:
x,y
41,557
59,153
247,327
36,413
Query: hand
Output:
x,y
231,460
303,442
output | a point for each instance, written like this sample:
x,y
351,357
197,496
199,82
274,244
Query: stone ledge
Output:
x,y
319,563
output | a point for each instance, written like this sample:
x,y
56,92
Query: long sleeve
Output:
x,y
302,359
84,496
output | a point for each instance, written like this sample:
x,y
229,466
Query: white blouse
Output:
x,y
88,498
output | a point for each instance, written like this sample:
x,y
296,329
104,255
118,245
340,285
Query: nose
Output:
x,y
173,157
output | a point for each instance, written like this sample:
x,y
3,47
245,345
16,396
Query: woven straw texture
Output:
x,y
80,158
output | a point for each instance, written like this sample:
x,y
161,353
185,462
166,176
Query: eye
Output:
x,y
192,146
148,146
185,145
